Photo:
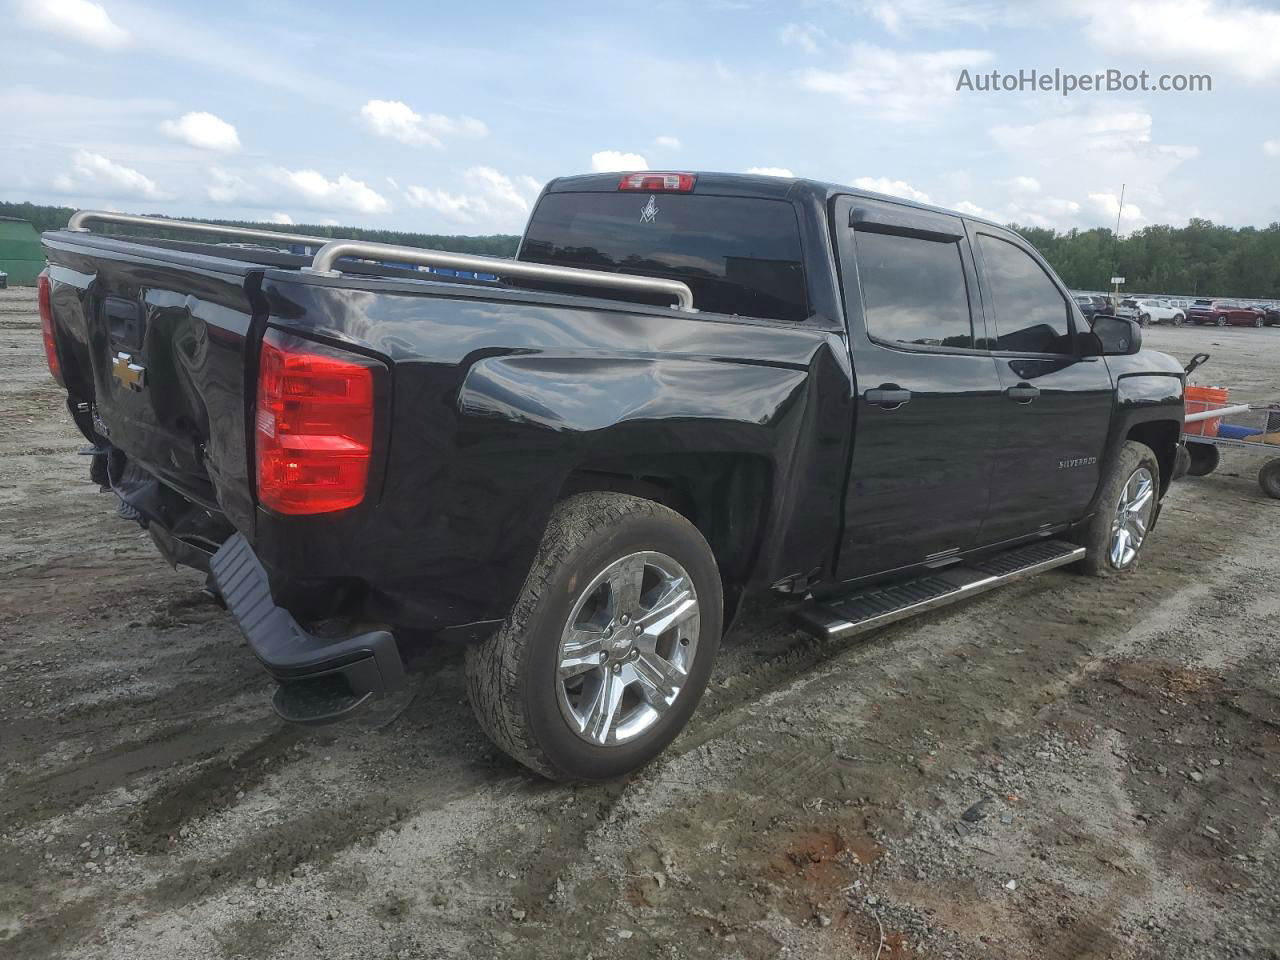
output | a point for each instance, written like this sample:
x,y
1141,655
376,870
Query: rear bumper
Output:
x,y
321,678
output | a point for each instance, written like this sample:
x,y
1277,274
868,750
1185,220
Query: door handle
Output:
x,y
1023,393
888,395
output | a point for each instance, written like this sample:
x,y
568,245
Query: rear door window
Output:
x,y
739,255
1031,315
914,291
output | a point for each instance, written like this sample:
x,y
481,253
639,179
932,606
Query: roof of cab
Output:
x,y
748,185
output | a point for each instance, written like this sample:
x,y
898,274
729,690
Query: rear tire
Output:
x,y
519,679
1128,502
1178,319
1269,479
1221,321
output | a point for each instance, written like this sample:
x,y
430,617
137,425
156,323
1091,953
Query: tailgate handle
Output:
x,y
1023,393
124,322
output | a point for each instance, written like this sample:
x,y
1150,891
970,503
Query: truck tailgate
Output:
x,y
158,344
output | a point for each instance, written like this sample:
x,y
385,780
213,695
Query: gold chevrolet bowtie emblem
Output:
x,y
132,375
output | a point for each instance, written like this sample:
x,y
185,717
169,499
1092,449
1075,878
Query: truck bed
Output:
x,y
474,442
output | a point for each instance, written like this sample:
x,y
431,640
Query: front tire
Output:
x,y
1177,319
1127,505
610,645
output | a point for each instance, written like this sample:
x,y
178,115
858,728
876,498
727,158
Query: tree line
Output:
x,y
1200,259
44,217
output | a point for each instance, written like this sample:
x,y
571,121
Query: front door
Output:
x,y
928,398
1057,403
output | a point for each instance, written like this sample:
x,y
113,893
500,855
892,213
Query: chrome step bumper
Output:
x,y
879,606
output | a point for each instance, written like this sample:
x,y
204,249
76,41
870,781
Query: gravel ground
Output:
x,y
1066,768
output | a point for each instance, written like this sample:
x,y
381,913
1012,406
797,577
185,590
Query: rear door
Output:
x,y
928,396
1056,404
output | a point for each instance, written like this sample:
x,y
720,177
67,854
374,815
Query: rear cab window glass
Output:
x,y
914,291
1031,315
739,255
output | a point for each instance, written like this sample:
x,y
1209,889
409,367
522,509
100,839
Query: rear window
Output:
x,y
739,255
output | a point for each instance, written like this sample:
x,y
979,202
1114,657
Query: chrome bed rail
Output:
x,y
324,262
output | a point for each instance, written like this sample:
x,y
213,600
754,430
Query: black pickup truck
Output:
x,y
685,388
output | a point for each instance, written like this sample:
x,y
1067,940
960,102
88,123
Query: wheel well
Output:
x,y
1162,437
723,495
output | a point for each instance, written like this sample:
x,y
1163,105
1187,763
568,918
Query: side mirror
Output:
x,y
1116,336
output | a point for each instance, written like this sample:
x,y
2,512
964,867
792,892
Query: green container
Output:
x,y
21,255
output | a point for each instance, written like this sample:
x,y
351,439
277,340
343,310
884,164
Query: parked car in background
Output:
x,y
1148,311
1225,312
1270,314
4,280
1088,306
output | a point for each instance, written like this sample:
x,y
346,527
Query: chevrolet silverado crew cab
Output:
x,y
685,388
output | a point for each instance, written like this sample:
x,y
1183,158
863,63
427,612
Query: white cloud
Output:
x,y
1229,35
203,130
282,218
1272,148
92,174
320,193
79,19
227,187
806,36
898,15
1057,207
895,85
1092,130
607,161
894,188
497,188
493,198
1092,151
669,142
454,206
970,209
1108,205
770,171
399,121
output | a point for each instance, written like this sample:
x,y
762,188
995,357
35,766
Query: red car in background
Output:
x,y
1224,312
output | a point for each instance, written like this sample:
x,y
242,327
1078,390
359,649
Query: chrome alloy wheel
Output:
x,y
1133,518
627,648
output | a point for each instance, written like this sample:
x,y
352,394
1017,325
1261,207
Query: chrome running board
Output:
x,y
857,613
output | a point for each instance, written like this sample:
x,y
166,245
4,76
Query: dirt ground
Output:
x,y
1067,768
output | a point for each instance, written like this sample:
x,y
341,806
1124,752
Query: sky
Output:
x,y
448,118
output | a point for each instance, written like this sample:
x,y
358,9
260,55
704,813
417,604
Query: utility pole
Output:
x,y
1115,287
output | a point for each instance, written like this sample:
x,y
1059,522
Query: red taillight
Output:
x,y
658,182
44,293
314,428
